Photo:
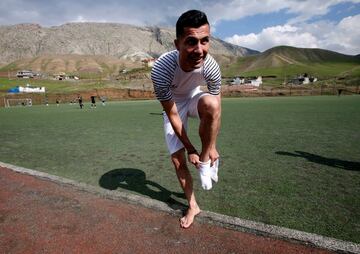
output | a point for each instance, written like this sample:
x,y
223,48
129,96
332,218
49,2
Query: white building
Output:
x,y
25,74
256,82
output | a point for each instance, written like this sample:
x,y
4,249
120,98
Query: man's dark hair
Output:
x,y
192,18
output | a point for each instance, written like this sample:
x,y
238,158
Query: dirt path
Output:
x,y
40,216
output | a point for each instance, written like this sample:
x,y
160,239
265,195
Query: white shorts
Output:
x,y
185,109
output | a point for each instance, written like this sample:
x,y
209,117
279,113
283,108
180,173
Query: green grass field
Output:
x,y
289,161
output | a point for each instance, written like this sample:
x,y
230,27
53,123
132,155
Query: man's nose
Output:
x,y
199,48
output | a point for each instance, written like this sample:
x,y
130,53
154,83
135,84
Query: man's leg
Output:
x,y
209,108
179,160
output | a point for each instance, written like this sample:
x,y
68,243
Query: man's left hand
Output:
x,y
214,155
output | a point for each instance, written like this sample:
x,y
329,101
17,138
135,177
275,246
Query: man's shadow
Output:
x,y
336,163
135,180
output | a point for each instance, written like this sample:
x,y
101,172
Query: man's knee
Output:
x,y
209,106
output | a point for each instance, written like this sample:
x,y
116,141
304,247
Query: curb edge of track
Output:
x,y
229,222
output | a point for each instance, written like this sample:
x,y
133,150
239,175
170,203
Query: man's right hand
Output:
x,y
194,159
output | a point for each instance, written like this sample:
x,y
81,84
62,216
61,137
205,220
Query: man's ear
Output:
x,y
176,42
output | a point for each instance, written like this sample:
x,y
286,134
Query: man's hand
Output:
x,y
194,159
214,155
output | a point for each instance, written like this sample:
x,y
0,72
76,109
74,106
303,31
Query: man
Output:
x,y
177,76
80,101
93,103
103,99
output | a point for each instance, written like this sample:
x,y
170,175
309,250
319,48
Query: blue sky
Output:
x,y
255,24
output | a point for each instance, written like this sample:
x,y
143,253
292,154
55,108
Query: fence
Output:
x,y
248,91
227,91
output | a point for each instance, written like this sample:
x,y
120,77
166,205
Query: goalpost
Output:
x,y
18,102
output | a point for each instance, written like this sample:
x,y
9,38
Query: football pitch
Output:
x,y
287,161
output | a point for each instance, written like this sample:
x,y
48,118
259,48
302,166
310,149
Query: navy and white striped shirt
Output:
x,y
171,82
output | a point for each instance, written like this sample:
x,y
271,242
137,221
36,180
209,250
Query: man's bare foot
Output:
x,y
188,219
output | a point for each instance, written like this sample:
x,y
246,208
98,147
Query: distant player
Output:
x,y
103,99
177,76
93,103
80,101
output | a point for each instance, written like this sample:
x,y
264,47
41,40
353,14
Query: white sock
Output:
x,y
205,175
214,171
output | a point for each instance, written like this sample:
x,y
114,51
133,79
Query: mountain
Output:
x,y
285,55
72,64
286,60
114,40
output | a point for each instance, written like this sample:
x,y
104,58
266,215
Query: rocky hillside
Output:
x,y
72,64
116,40
290,61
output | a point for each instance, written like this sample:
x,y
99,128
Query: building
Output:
x,y
303,79
238,81
25,74
256,82
64,76
246,81
60,76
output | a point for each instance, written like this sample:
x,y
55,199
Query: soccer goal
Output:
x,y
18,102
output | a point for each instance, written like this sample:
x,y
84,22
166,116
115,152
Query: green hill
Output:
x,y
285,61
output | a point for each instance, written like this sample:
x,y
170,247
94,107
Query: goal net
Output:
x,y
18,102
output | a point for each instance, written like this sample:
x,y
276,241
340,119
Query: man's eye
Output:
x,y
205,41
192,41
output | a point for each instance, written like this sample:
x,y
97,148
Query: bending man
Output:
x,y
177,76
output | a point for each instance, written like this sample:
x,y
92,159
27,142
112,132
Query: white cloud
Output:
x,y
238,9
80,19
343,37
299,31
303,9
155,12
274,36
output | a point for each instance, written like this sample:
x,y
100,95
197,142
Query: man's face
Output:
x,y
193,47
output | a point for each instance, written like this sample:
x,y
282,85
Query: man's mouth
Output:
x,y
197,59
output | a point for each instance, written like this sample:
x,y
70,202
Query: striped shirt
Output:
x,y
172,83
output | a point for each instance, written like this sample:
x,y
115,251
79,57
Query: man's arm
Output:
x,y
179,129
